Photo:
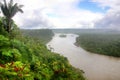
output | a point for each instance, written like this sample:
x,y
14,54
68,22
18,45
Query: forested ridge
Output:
x,y
101,43
44,35
30,60
25,58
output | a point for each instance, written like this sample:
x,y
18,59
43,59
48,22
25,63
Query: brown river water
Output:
x,y
95,66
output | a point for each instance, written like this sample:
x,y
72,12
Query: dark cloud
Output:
x,y
111,20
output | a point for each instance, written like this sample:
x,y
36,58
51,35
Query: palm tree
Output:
x,y
9,10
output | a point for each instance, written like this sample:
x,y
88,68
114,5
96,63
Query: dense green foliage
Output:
x,y
32,61
43,35
26,58
102,43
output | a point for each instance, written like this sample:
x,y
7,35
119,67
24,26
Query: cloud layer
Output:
x,y
111,20
66,14
55,14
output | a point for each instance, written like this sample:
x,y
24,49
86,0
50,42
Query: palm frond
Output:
x,y
14,10
9,10
20,6
20,10
10,4
5,12
5,3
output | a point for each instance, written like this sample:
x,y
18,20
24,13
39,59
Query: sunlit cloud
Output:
x,y
66,13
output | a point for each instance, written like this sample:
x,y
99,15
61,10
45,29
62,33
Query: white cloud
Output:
x,y
64,14
109,3
73,17
112,18
55,13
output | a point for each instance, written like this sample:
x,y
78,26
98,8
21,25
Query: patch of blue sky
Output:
x,y
91,6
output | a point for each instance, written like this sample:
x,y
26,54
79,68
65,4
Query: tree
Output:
x,y
9,10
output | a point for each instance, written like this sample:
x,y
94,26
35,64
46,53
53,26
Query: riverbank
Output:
x,y
105,44
96,67
24,58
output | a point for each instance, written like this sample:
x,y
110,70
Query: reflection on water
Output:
x,y
96,67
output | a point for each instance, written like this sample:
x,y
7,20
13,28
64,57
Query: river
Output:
x,y
95,66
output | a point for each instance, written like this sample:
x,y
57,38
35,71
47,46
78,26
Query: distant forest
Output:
x,y
101,43
83,31
43,35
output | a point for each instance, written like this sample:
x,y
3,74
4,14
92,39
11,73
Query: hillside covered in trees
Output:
x,y
23,58
101,43
44,35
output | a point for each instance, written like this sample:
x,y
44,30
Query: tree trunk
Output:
x,y
8,26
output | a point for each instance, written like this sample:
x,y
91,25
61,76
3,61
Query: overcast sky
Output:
x,y
69,14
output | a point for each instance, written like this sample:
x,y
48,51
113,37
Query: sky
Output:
x,y
69,14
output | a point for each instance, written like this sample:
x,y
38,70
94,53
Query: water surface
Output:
x,y
96,67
